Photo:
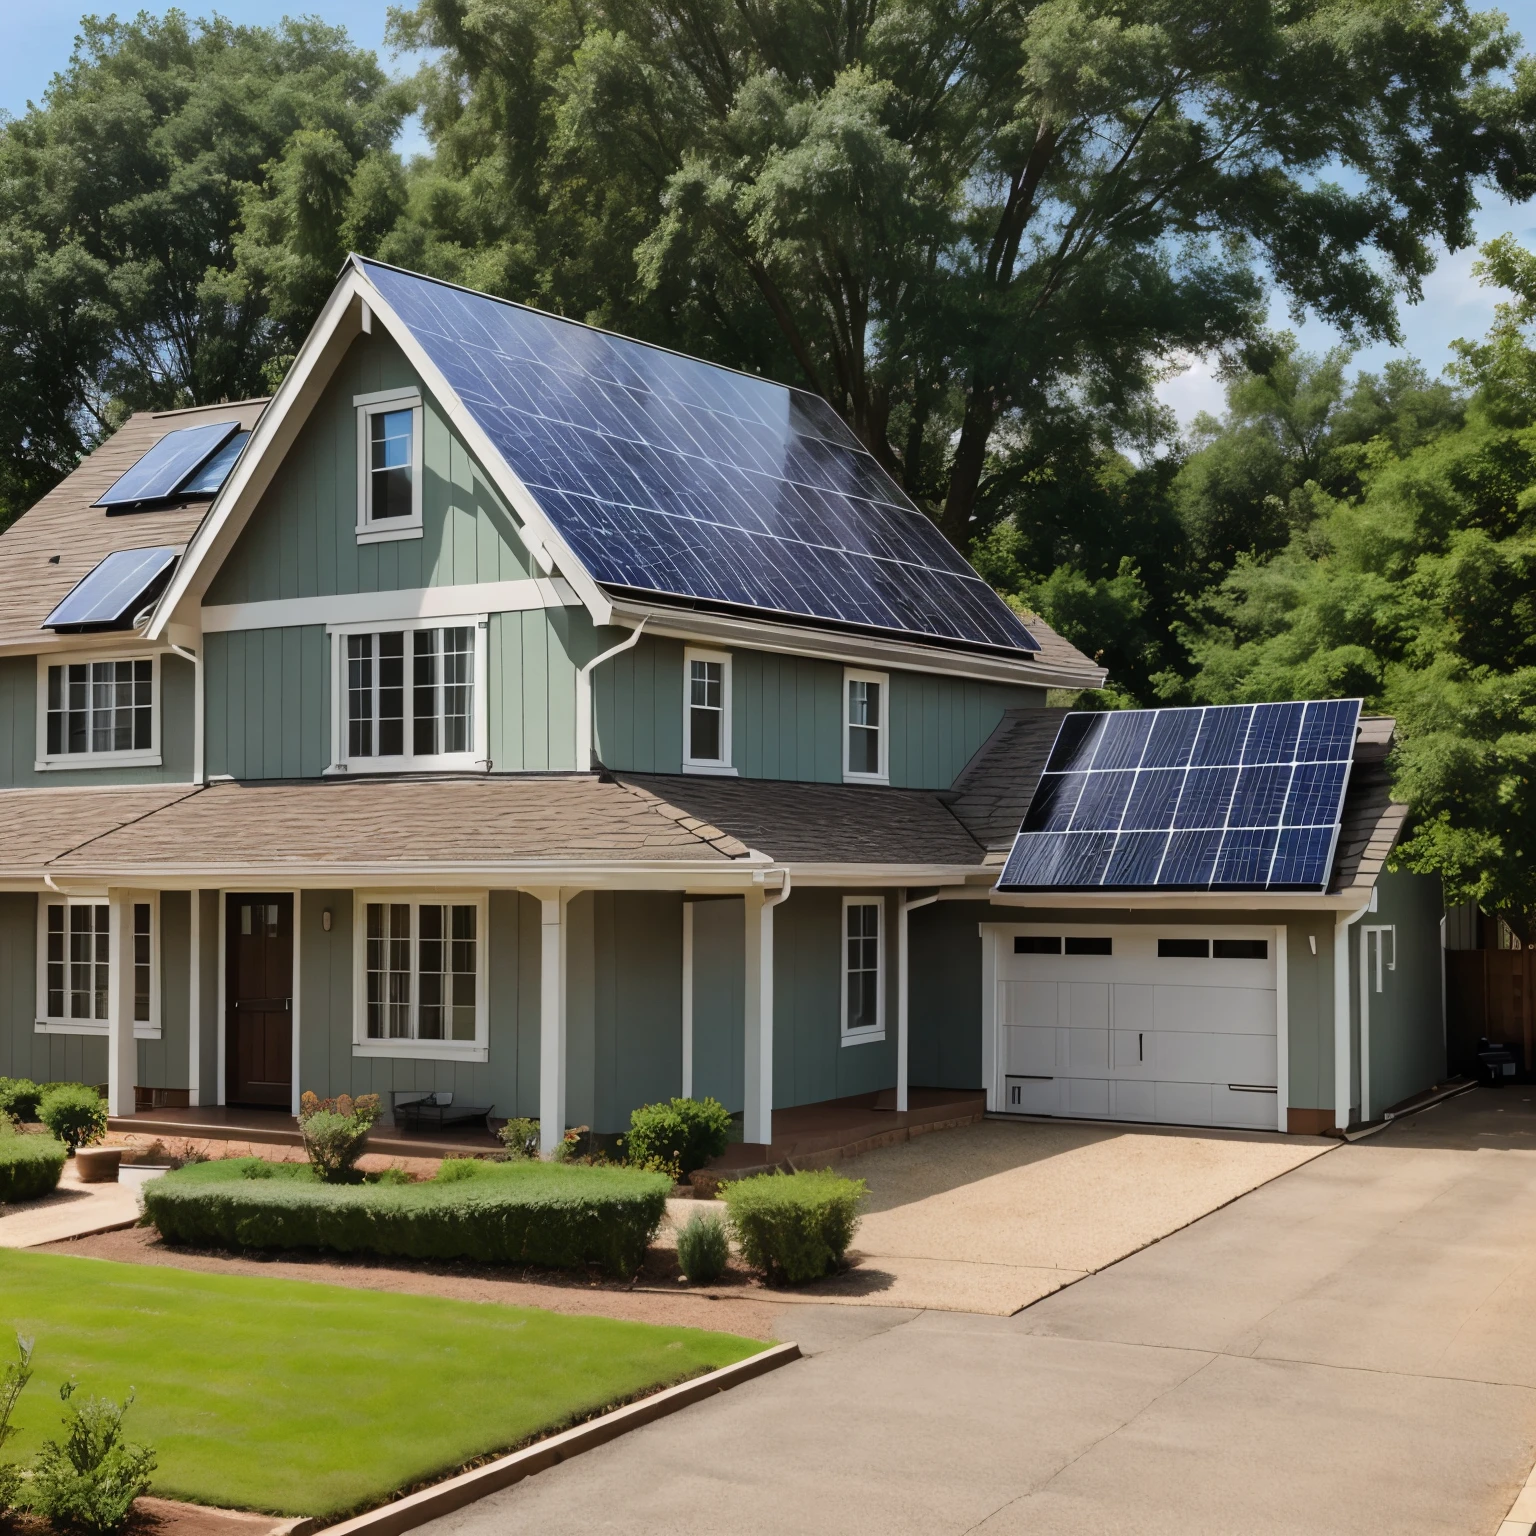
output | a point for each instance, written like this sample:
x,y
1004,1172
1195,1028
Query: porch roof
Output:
x,y
38,826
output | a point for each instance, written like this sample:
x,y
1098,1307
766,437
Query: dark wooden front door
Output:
x,y
259,1020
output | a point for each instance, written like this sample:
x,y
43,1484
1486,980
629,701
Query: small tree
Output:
x,y
89,1482
335,1132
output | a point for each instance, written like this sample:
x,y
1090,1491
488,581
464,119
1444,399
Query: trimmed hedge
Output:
x,y
77,1115
29,1166
558,1217
684,1133
794,1227
19,1096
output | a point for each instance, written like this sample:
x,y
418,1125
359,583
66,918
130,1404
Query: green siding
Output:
x,y
532,659
268,703
18,730
1310,1007
786,716
301,541
163,1063
719,1000
24,1052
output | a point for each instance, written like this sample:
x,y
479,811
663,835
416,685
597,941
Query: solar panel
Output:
x,y
670,476
1232,797
160,474
115,591
209,480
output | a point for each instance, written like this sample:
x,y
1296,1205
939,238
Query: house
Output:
x,y
510,708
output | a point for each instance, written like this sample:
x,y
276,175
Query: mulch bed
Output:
x,y
170,1517
655,1295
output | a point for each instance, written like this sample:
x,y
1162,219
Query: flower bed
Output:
x,y
556,1216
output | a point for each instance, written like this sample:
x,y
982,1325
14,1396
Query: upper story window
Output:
x,y
706,711
98,713
74,980
863,970
389,468
410,696
865,712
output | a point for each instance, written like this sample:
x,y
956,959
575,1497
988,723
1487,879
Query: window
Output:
x,y
864,726
421,963
389,467
706,712
1028,944
407,697
1090,946
863,972
1240,949
1184,949
75,967
98,712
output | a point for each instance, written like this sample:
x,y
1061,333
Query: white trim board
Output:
x,y
387,607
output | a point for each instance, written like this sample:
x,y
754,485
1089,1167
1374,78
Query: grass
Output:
x,y
304,1399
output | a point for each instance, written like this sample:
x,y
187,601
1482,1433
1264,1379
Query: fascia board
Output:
x,y
858,650
593,598
338,325
878,874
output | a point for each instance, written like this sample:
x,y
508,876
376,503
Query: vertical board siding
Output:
x,y
719,1000
18,729
163,1063
531,661
638,705
268,714
1309,990
944,1008
24,1052
301,541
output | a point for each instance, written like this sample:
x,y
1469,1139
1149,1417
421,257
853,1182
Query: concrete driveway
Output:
x,y
1351,1348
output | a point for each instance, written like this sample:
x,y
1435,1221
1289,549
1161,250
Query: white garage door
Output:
x,y
1174,1025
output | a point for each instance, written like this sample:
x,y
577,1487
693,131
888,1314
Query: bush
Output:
x,y
496,1213
13,1380
703,1248
29,1166
335,1131
74,1113
90,1482
19,1097
520,1136
794,1226
684,1134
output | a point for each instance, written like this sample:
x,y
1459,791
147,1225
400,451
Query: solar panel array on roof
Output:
x,y
115,591
167,468
1233,797
208,480
671,476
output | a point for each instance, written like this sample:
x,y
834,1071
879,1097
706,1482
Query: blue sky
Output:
x,y
39,35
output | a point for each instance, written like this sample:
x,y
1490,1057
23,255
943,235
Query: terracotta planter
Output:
x,y
98,1165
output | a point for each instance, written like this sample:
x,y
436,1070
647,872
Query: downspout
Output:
x,y
197,709
584,697
1341,926
902,908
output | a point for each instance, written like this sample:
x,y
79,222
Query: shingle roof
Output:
x,y
66,524
410,822
40,825
822,823
1372,821
994,789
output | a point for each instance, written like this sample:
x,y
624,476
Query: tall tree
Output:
x,y
122,196
962,222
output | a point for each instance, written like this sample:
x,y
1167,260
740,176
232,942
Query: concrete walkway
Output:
x,y
1350,1349
74,1209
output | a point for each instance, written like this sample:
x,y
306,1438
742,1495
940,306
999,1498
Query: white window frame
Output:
x,y
866,1036
721,764
379,403
47,1024
441,762
413,1049
135,757
858,675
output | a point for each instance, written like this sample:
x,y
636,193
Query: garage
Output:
x,y
1174,1025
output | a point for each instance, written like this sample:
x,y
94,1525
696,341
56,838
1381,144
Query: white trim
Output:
x,y
406,395
991,941
687,999
221,1038
194,997
1342,1055
394,606
1282,1028
122,1044
296,990
553,1037
413,1048
904,905
1380,930
382,530
141,757
859,675
408,762
721,764
870,1034
48,1024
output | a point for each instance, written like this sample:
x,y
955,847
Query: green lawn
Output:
x,y
308,1399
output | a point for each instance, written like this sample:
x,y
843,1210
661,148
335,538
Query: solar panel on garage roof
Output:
x,y
208,480
162,471
114,591
1233,797
672,476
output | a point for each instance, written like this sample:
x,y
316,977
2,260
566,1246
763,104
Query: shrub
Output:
x,y
703,1248
13,1379
74,1113
335,1131
90,1482
29,1166
794,1226
685,1133
499,1213
19,1097
520,1136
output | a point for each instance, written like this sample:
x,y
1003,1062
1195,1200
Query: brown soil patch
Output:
x,y
170,1517
654,1296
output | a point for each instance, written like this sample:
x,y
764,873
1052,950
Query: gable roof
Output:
x,y
623,466
67,525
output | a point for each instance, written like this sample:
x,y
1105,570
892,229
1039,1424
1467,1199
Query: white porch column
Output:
x,y
687,998
903,906
551,1020
122,1052
757,1076
1342,1055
